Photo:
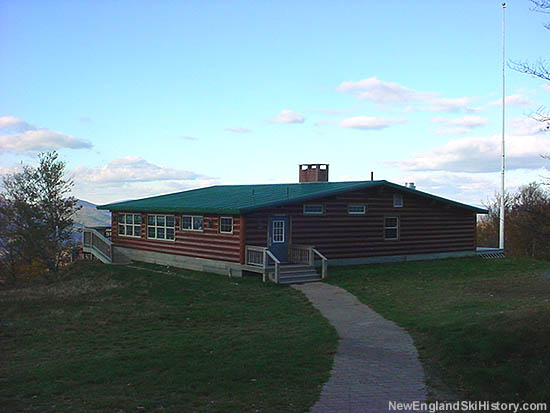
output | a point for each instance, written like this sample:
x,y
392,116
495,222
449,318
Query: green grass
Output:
x,y
482,327
118,338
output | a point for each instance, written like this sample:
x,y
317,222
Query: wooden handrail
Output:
x,y
316,252
98,234
269,254
323,262
94,240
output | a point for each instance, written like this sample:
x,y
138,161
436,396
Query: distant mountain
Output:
x,y
89,216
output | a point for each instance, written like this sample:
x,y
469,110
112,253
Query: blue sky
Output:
x,y
142,98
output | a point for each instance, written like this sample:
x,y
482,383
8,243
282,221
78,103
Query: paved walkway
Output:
x,y
375,362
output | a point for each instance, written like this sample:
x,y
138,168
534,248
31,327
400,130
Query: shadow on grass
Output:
x,y
114,337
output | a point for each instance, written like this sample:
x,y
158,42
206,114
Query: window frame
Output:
x,y
322,212
161,226
192,223
282,232
398,197
397,227
220,225
125,224
364,206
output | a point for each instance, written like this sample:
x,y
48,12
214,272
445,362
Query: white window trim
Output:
x,y
220,225
364,206
397,228
192,229
126,225
395,198
283,231
157,226
322,212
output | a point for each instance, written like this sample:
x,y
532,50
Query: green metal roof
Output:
x,y
238,199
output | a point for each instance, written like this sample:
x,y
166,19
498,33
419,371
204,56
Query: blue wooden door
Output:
x,y
278,237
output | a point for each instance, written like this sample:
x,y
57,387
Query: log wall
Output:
x,y
209,243
426,226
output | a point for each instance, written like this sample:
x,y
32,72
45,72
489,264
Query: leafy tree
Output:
x,y
36,213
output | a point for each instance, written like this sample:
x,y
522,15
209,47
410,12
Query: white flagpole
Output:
x,y
501,226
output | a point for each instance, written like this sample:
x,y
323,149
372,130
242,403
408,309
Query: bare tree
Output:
x,y
538,69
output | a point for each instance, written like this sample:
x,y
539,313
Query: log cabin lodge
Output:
x,y
289,232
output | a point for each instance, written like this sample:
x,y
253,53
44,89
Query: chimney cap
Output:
x,y
313,166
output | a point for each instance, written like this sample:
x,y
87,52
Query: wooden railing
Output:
x,y
96,244
300,254
268,255
261,257
255,255
265,260
323,262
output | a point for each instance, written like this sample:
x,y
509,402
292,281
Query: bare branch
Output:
x,y
538,69
541,6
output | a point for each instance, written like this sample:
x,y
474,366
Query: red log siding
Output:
x,y
425,226
209,243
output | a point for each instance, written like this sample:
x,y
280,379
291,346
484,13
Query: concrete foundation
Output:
x,y
401,258
234,269
231,269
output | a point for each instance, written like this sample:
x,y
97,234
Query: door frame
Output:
x,y
269,229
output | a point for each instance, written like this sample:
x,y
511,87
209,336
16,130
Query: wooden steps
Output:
x,y
298,274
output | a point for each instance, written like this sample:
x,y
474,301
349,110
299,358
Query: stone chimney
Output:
x,y
313,172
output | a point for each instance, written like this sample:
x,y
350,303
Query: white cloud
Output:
x,y
131,169
20,136
14,124
41,140
461,187
370,122
512,100
85,119
382,92
479,154
471,188
379,91
133,177
460,125
289,116
525,125
238,130
188,138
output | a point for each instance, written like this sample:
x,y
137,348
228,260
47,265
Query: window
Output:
x,y
161,227
391,228
226,225
191,223
397,201
278,231
129,225
314,209
357,209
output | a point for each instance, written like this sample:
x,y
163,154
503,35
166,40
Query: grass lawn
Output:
x,y
118,338
482,327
